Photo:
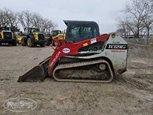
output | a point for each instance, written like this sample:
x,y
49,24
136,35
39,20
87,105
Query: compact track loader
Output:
x,y
83,56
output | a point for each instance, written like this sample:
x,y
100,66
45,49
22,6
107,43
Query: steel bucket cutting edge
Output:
x,y
35,74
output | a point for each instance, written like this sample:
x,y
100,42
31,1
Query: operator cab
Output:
x,y
33,30
81,30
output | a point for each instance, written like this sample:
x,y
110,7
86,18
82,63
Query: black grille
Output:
x,y
7,35
41,37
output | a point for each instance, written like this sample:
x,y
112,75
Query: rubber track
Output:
x,y
64,66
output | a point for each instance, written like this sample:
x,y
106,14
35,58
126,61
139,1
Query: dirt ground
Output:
x,y
128,94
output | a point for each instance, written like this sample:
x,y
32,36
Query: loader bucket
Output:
x,y
35,74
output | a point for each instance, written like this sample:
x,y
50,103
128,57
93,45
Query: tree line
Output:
x,y
137,18
25,19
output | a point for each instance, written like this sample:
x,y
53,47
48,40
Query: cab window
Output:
x,y
78,33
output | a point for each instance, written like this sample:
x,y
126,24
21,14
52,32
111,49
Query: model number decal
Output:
x,y
117,46
117,50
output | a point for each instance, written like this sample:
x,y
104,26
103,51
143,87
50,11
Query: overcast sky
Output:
x,y
104,12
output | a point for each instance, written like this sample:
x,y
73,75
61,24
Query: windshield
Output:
x,y
4,28
56,32
78,33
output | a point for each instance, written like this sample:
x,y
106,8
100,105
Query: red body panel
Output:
x,y
66,48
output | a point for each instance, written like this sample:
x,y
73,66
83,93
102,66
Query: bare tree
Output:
x,y
25,18
21,20
2,18
148,19
36,20
138,15
28,19
8,17
47,25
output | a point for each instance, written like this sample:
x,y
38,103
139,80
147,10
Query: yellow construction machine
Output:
x,y
57,35
19,36
33,37
7,36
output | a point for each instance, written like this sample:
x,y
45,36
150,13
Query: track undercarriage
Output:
x,y
88,71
